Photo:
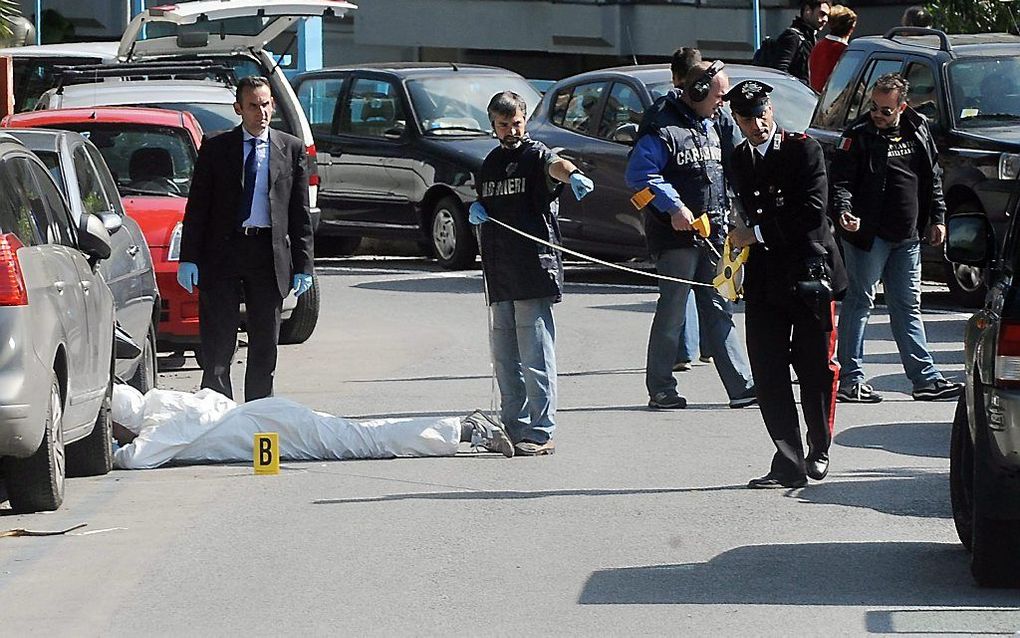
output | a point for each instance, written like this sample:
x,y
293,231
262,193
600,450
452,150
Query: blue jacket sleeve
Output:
x,y
644,170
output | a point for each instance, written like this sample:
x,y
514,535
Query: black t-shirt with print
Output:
x,y
898,221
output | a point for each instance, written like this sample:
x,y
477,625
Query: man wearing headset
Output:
x,y
518,185
679,163
792,276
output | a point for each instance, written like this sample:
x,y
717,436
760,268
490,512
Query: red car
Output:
x,y
151,153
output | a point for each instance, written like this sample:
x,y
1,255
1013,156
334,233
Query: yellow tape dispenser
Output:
x,y
729,279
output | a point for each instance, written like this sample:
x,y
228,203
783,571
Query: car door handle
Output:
x,y
59,285
132,250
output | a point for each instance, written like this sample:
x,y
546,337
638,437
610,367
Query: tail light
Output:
x,y
1007,355
313,177
12,282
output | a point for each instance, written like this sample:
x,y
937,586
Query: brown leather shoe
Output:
x,y
530,448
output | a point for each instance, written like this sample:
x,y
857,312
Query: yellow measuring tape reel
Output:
x,y
729,280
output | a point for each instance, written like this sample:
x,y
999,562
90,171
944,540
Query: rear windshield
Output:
x,y
985,91
144,160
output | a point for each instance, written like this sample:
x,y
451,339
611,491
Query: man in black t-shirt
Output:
x,y
887,195
518,185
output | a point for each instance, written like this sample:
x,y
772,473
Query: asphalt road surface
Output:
x,y
640,524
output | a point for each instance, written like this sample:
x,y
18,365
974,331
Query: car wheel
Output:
x,y
302,320
145,377
961,475
336,246
451,237
93,455
967,284
36,483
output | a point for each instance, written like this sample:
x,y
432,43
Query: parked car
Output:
x,y
398,145
211,102
80,172
984,461
57,326
35,66
151,154
968,86
592,118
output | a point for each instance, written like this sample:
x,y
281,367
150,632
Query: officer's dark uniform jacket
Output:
x,y
859,174
694,169
786,199
515,188
793,48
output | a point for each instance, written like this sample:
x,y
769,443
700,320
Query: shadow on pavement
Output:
x,y
896,491
913,439
898,382
869,573
578,373
483,495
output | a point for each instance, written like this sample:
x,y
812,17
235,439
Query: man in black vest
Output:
x,y
246,227
680,163
792,275
518,185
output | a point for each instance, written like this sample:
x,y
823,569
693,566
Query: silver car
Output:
x,y
57,327
80,171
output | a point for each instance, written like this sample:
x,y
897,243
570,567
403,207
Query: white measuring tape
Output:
x,y
568,251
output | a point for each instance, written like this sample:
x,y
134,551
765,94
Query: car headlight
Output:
x,y
1009,166
174,252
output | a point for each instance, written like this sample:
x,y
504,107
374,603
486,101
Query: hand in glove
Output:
x,y
580,184
187,275
302,283
477,214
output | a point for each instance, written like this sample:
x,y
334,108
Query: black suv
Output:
x,y
968,86
984,468
398,146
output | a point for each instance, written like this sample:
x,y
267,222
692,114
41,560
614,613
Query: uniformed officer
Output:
x,y
793,273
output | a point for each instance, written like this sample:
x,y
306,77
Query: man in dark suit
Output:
x,y
246,228
793,274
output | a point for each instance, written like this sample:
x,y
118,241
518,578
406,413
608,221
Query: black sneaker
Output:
x,y
744,399
858,393
667,401
936,390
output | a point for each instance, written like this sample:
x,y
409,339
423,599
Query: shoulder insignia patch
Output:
x,y
845,143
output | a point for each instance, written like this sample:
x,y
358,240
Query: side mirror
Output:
x,y
969,240
626,133
111,221
93,238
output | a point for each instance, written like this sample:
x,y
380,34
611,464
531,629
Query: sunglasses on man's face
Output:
x,y
885,110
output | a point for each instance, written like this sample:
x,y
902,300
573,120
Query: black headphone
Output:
x,y
699,90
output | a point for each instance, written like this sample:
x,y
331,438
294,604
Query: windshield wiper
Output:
x,y
129,190
462,129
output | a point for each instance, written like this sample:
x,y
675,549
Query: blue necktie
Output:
x,y
244,210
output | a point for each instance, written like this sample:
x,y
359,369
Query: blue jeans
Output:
x,y
715,314
690,340
898,265
523,353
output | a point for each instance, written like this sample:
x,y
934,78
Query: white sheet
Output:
x,y
208,427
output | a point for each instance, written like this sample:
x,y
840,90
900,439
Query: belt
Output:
x,y
253,231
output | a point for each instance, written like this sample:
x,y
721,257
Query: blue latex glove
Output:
x,y
187,275
477,214
581,185
302,284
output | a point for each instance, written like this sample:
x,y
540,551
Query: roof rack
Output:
x,y
916,31
178,70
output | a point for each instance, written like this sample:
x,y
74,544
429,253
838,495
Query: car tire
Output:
x,y
146,377
93,455
36,483
995,553
303,319
961,475
968,285
452,241
336,246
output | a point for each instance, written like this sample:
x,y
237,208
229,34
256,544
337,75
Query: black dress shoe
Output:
x,y
817,466
773,481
